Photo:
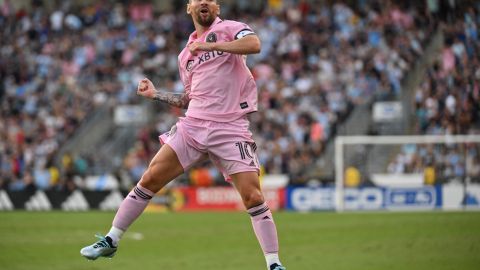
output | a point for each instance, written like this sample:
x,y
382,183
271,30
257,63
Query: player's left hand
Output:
x,y
194,47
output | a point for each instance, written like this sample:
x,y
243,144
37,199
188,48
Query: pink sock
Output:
x,y
131,207
264,228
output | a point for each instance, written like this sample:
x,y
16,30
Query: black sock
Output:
x,y
109,241
273,266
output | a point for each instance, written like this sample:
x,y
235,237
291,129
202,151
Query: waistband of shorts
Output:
x,y
242,119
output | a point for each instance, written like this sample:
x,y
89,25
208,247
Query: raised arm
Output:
x,y
146,89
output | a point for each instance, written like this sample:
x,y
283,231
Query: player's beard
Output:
x,y
207,20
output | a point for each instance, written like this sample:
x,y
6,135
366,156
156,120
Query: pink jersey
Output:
x,y
220,86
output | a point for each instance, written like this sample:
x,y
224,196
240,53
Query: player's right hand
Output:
x,y
145,88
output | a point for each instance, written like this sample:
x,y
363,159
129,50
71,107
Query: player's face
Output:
x,y
204,12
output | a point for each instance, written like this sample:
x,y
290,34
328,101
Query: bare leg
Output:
x,y
163,168
248,186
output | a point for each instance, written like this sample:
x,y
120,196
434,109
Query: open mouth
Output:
x,y
204,11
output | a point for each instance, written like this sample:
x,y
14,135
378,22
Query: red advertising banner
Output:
x,y
210,199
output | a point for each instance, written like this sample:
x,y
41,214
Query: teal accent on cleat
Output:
x,y
277,267
101,248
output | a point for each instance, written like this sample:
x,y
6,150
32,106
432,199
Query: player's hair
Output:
x,y
189,1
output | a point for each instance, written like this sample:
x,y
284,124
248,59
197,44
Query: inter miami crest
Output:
x,y
189,65
212,37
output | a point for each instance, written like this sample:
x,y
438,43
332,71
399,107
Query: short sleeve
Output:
x,y
238,30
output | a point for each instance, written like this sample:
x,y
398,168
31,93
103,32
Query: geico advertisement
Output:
x,y
366,198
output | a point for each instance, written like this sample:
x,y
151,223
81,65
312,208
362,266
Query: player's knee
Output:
x,y
253,199
148,181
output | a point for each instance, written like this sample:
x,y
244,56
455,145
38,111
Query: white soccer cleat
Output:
x,y
102,248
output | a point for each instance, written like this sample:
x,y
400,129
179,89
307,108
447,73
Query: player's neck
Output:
x,y
200,29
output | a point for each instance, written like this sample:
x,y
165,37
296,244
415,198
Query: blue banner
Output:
x,y
365,198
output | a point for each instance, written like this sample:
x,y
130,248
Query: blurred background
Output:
x,y
71,123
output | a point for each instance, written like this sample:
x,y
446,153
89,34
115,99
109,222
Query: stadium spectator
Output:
x,y
58,65
448,103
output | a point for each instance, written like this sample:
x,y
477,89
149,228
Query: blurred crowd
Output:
x,y
448,103
318,61
57,66
439,163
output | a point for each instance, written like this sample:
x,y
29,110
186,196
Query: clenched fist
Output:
x,y
195,47
145,88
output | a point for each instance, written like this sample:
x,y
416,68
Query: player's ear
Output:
x,y
188,8
218,9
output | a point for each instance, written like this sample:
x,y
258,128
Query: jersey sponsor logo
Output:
x,y
208,56
212,37
202,58
244,32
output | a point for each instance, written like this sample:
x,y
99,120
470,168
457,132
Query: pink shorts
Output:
x,y
229,145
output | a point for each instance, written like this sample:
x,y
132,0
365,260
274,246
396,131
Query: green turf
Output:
x,y
224,241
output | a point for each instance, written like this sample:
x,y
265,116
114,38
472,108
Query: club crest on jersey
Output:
x,y
189,65
212,37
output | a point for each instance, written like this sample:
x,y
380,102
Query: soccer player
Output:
x,y
219,93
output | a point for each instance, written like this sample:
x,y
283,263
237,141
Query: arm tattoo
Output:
x,y
173,99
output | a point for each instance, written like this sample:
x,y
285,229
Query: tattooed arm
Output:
x,y
146,89
174,99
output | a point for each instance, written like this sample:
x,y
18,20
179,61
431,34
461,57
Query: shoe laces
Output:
x,y
102,242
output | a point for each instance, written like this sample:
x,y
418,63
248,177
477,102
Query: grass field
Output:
x,y
225,241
